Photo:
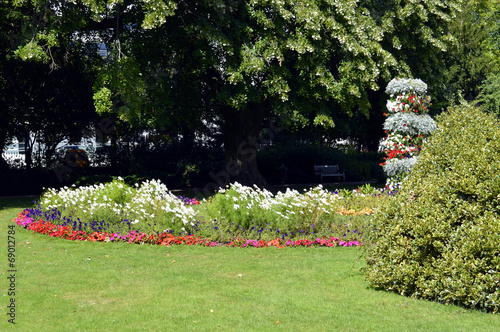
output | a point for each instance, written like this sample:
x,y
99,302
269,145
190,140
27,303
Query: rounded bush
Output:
x,y
439,239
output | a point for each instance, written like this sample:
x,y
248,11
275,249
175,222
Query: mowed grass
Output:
x,y
78,286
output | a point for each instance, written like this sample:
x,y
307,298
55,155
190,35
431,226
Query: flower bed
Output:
x,y
236,216
66,232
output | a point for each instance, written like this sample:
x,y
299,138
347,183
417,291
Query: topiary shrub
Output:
x,y
439,239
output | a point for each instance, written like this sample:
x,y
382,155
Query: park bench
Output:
x,y
328,170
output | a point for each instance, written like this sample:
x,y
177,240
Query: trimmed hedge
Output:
x,y
439,239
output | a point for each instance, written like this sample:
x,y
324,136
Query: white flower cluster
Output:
x,y
154,196
118,202
287,205
87,199
395,167
402,86
410,124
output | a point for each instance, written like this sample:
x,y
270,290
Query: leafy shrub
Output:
x,y
489,95
89,180
185,163
440,238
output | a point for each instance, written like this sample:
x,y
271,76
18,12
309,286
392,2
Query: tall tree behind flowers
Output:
x,y
250,63
407,125
476,52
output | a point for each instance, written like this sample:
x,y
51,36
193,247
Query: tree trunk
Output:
x,y
50,152
242,137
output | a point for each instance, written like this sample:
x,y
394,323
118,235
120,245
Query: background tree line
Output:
x,y
176,68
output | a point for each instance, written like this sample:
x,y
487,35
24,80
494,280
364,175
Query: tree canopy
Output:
x,y
476,51
173,64
45,90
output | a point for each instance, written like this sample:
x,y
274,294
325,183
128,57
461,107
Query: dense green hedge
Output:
x,y
440,238
300,158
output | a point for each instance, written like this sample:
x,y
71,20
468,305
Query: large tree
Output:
x,y
475,54
45,78
247,61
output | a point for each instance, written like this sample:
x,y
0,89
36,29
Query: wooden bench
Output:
x,y
328,170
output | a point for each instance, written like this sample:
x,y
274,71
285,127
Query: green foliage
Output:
x,y
314,60
157,11
116,191
31,52
102,101
323,120
295,56
489,95
439,238
474,55
360,166
367,189
90,180
120,86
45,94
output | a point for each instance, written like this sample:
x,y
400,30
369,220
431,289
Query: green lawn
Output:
x,y
76,286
